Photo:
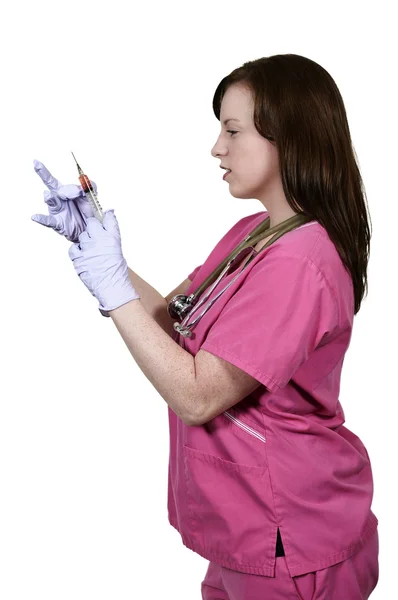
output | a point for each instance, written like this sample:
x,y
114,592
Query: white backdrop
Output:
x,y
83,434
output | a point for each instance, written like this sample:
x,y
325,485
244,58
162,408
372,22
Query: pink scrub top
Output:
x,y
281,457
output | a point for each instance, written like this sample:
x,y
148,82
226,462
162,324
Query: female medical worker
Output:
x,y
265,481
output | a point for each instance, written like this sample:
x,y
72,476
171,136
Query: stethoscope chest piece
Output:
x,y
180,306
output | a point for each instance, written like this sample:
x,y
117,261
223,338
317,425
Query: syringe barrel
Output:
x,y
99,214
85,183
95,205
91,196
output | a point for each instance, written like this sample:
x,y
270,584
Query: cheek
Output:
x,y
263,165
257,157
258,169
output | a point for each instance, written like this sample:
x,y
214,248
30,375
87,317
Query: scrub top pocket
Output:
x,y
230,509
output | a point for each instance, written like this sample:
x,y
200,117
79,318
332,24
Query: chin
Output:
x,y
242,194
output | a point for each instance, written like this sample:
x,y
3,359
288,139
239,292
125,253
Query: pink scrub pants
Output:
x,y
353,579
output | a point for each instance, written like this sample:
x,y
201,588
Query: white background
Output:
x,y
83,434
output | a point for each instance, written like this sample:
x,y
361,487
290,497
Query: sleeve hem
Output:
x,y
270,384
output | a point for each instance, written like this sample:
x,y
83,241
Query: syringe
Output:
x,y
89,192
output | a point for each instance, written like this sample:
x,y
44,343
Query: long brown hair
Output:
x,y
298,106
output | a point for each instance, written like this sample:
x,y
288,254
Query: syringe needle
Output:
x,y
78,166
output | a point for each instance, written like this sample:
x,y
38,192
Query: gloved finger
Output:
x,y
83,202
45,175
79,262
84,237
70,192
110,223
85,207
52,201
46,220
94,227
86,279
74,252
80,265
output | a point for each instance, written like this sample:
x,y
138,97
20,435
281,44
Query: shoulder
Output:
x,y
309,249
310,243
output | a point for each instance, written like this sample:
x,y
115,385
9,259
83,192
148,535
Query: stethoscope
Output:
x,y
182,307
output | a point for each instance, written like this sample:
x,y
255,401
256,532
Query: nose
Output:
x,y
217,151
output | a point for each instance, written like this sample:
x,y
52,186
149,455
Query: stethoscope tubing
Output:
x,y
189,326
261,231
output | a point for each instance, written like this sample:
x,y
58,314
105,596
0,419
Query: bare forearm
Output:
x,y
154,303
169,368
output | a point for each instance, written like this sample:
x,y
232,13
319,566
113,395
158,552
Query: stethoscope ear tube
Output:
x,y
181,305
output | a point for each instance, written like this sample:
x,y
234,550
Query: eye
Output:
x,y
231,132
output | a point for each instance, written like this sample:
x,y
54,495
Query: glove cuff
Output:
x,y
104,311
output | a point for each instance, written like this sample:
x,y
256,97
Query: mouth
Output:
x,y
226,173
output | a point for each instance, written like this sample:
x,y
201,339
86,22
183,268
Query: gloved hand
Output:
x,y
100,264
68,207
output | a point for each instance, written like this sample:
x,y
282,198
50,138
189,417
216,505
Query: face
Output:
x,y
253,160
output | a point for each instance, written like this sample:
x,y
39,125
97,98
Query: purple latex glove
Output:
x,y
100,264
68,207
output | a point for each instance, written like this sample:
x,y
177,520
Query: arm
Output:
x,y
197,388
169,368
154,303
167,365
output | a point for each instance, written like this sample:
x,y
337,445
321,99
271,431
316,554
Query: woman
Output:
x,y
264,479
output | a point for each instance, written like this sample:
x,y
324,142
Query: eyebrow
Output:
x,y
231,119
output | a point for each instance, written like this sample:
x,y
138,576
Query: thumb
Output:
x,y
46,220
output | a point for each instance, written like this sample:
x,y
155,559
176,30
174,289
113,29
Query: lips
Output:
x,y
226,173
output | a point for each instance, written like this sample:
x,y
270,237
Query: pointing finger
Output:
x,y
46,177
46,220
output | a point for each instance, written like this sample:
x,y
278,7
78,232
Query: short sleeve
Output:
x,y
275,320
192,275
